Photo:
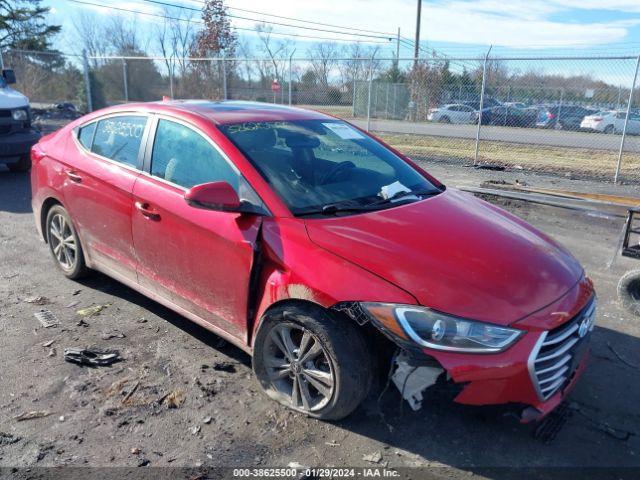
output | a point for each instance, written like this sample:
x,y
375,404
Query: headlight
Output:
x,y
19,115
439,331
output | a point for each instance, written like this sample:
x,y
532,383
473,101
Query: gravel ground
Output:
x,y
115,416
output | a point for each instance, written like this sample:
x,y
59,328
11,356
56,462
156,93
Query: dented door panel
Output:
x,y
198,259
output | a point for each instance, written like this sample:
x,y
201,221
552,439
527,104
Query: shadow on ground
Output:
x,y
15,191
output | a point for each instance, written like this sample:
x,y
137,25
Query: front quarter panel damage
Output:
x,y
293,268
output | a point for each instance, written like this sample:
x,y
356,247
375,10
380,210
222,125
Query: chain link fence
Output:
x,y
571,116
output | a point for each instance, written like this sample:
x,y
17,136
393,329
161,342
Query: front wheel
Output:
x,y
64,243
311,361
609,129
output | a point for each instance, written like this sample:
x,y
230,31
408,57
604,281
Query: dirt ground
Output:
x,y
115,416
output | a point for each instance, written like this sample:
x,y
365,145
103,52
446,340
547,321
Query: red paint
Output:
x,y
451,252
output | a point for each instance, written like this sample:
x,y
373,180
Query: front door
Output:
x,y
199,260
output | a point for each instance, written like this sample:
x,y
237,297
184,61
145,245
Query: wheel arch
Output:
x,y
47,204
305,304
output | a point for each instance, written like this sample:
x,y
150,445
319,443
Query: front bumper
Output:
x,y
505,378
17,144
510,377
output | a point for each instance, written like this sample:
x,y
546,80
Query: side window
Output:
x,y
184,157
454,108
85,135
119,138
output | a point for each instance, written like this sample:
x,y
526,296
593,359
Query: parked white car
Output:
x,y
604,121
16,133
633,127
612,122
452,113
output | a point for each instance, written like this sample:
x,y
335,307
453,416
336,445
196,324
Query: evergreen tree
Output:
x,y
23,25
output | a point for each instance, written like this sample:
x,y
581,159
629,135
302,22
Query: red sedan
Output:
x,y
319,250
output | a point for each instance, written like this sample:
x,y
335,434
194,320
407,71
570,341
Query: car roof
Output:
x,y
229,111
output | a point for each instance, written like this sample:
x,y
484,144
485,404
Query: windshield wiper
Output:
x,y
404,194
333,208
350,206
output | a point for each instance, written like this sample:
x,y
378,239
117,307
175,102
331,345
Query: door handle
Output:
x,y
73,176
143,208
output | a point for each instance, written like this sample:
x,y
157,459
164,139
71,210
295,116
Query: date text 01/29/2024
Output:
x,y
368,472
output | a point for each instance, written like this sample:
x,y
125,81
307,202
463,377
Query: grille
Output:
x,y
5,113
559,351
5,129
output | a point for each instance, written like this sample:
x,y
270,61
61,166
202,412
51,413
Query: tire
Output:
x,y
341,366
629,291
609,129
444,120
22,165
68,254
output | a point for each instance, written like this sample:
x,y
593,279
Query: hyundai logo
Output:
x,y
587,323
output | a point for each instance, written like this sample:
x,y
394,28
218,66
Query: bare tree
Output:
x,y
278,52
323,60
122,36
90,36
167,45
359,61
244,50
183,34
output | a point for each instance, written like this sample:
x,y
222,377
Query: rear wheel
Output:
x,y
64,243
310,361
22,165
629,291
445,120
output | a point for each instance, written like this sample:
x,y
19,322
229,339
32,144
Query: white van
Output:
x,y
17,136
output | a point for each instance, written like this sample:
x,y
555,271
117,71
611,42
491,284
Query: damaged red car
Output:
x,y
319,250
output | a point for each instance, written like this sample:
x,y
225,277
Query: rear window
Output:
x,y
119,138
85,136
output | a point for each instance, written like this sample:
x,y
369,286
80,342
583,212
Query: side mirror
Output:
x,y
9,76
218,196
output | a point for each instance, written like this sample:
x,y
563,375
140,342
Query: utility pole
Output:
x,y
416,47
398,48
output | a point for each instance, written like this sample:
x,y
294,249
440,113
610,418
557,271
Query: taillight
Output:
x,y
551,116
596,119
36,153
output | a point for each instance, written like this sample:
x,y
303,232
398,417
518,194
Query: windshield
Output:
x,y
315,163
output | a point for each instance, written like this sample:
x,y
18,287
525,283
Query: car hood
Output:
x,y
10,98
456,254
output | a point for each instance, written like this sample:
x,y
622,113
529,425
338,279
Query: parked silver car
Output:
x,y
452,113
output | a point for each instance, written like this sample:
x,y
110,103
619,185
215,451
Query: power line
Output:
x,y
300,20
168,17
158,2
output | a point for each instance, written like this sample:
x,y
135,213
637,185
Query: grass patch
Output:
x,y
581,161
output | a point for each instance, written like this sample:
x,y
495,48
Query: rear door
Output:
x,y
102,165
633,126
456,114
199,260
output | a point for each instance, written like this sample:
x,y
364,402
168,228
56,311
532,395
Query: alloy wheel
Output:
x,y
299,367
63,242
